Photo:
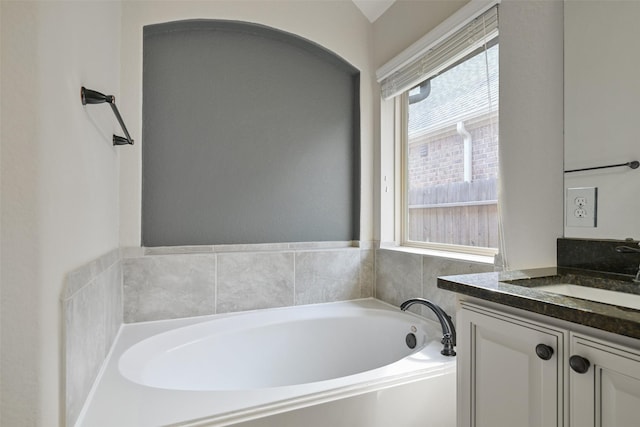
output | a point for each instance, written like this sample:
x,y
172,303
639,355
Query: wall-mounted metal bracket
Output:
x,y
89,96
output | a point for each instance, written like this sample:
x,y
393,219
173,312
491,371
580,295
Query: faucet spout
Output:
x,y
629,250
448,330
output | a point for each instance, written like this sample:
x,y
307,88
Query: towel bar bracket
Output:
x,y
88,96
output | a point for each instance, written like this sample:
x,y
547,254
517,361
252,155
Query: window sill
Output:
x,y
460,256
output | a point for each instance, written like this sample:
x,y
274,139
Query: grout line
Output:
x,y
295,257
121,292
422,289
375,273
215,284
360,272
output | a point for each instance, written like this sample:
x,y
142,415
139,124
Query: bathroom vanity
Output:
x,y
530,356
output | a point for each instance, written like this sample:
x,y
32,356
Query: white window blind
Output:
x,y
442,53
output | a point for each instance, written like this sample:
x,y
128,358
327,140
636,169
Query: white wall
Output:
x,y
531,127
0,216
59,173
59,192
602,109
400,26
407,21
531,130
336,25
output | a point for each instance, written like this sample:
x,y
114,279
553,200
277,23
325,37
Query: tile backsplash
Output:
x,y
168,286
401,275
597,255
165,283
92,315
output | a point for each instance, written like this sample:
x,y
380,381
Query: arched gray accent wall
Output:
x,y
250,135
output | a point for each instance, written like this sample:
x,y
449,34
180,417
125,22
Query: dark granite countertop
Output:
x,y
518,289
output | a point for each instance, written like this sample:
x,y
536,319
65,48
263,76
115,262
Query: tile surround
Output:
x,y
86,346
367,272
251,281
398,276
83,275
162,283
142,284
92,315
434,267
160,287
402,275
111,283
325,276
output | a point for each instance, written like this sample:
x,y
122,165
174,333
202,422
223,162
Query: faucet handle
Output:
x,y
448,349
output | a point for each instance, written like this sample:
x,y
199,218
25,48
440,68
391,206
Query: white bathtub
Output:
x,y
340,364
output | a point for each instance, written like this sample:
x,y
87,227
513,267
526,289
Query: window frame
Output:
x,y
402,176
392,76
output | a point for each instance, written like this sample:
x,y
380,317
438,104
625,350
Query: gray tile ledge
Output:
x,y
135,252
322,245
252,247
177,250
366,244
327,250
131,251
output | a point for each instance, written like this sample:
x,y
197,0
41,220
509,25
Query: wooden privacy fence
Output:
x,y
460,213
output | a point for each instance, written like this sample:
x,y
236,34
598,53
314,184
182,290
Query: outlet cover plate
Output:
x,y
581,207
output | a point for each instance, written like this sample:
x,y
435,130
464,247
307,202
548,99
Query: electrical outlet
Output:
x,y
582,207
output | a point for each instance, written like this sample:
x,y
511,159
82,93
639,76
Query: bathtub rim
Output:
x,y
233,417
132,333
373,353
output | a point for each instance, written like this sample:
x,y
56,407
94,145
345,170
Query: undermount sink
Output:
x,y
621,299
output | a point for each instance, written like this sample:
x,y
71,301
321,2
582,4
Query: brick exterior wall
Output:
x,y
437,158
436,175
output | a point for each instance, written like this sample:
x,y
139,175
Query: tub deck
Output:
x,y
116,401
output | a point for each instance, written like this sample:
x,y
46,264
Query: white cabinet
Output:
x,y
608,393
504,382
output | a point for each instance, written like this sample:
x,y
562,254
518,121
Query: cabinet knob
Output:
x,y
579,364
544,352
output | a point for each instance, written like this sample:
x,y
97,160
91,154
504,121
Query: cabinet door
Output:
x,y
608,393
502,382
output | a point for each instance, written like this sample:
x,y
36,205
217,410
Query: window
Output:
x,y
446,98
450,155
